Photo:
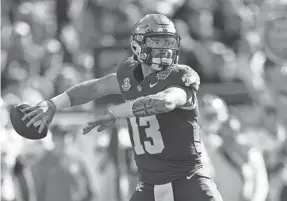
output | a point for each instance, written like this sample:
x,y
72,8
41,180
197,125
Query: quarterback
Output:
x,y
161,109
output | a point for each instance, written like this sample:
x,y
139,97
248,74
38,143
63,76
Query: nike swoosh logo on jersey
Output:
x,y
189,176
152,85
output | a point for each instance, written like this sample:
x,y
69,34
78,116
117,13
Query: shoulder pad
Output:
x,y
180,75
126,65
125,69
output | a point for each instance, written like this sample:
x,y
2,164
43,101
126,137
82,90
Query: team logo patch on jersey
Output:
x,y
126,84
139,87
140,186
164,74
189,79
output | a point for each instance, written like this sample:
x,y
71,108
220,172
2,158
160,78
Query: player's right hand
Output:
x,y
41,114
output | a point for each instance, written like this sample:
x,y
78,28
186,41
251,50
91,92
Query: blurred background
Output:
x,y
238,47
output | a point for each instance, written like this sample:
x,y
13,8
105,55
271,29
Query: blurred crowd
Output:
x,y
48,46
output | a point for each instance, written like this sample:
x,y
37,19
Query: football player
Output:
x,y
235,147
161,109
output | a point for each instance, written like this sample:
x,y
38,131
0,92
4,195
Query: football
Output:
x,y
19,126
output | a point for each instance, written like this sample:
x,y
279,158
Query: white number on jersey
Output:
x,y
152,131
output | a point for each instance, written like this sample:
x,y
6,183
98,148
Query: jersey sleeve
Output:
x,y
185,77
124,69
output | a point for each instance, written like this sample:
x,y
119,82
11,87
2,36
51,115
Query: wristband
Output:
x,y
61,101
52,103
122,111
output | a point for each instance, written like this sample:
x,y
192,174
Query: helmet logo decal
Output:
x,y
126,84
139,37
143,56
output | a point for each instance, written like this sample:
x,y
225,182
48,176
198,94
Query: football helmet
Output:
x,y
155,41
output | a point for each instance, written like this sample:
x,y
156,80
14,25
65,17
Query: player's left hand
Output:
x,y
104,122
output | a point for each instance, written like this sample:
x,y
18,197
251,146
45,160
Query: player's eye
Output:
x,y
156,42
163,42
152,41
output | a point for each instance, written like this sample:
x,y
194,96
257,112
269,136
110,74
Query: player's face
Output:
x,y
162,42
162,48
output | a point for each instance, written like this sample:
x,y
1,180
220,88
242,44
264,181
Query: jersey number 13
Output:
x,y
151,131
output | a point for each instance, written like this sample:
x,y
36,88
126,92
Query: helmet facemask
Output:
x,y
156,50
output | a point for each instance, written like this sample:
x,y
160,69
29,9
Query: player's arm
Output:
x,y
162,102
180,92
79,94
87,91
184,84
